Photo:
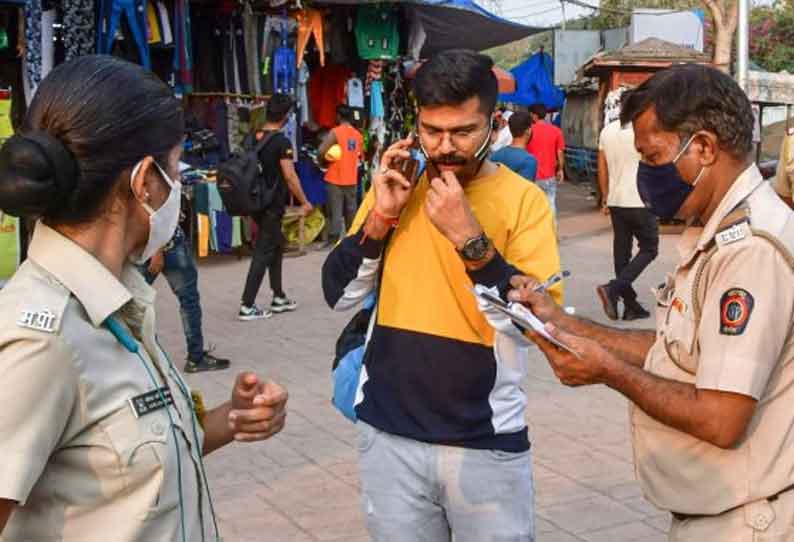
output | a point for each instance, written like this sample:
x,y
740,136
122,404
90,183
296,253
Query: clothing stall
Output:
x,y
225,58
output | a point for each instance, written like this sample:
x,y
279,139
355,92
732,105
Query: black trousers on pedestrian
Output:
x,y
628,224
268,257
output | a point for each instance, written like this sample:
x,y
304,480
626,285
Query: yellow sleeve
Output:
x,y
532,246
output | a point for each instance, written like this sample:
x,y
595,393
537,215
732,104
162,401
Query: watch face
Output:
x,y
476,249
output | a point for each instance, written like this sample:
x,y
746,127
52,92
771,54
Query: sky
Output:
x,y
541,12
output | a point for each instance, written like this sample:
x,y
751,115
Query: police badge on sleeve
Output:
x,y
736,306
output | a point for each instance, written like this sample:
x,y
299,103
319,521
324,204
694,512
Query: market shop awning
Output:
x,y
452,24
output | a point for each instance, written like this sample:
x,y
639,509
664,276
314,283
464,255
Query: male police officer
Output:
x,y
712,391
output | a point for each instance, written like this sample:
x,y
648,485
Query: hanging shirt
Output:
x,y
377,32
327,92
355,93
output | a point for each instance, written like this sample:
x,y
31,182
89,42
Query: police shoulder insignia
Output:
x,y
736,306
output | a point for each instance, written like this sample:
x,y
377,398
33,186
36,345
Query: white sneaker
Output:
x,y
247,314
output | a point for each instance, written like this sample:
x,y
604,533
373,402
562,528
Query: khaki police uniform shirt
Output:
x,y
742,343
74,455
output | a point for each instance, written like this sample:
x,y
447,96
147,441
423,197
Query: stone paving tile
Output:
x,y
302,486
588,515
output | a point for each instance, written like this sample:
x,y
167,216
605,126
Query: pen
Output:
x,y
554,279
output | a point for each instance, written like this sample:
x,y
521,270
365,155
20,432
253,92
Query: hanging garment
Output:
x,y
165,23
374,73
291,131
252,60
310,23
376,109
203,226
355,93
153,34
284,67
78,25
109,19
240,71
377,32
40,48
416,38
183,51
327,92
303,94
341,39
47,42
271,40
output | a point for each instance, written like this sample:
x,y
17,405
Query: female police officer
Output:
x,y
100,435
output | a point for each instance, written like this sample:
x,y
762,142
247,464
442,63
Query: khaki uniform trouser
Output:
x,y
759,521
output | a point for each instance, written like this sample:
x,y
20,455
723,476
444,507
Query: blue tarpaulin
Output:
x,y
535,84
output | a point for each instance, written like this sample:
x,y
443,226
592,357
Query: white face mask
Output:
x,y
163,221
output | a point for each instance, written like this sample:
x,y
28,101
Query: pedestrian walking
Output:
x,y
712,388
515,155
341,179
618,162
175,262
443,443
276,160
548,146
102,437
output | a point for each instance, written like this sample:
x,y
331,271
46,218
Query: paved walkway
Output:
x,y
303,486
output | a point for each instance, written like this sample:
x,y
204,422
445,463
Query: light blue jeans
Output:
x,y
418,492
549,186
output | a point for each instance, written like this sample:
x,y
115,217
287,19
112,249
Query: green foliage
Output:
x,y
772,36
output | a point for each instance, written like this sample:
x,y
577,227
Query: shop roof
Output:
x,y
650,53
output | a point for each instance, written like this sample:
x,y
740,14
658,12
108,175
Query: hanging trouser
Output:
x,y
109,19
78,23
183,50
252,63
33,14
271,40
240,57
310,22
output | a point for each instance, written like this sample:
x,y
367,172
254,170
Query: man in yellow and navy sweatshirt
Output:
x,y
443,442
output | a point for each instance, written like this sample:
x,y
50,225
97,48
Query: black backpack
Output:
x,y
242,183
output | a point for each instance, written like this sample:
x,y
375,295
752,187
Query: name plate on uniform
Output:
x,y
151,401
39,320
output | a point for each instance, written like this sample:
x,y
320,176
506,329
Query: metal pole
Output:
x,y
562,2
743,45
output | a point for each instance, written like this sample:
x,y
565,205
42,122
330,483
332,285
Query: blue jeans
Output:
x,y
549,186
182,276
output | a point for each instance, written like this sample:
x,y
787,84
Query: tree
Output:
x,y
725,17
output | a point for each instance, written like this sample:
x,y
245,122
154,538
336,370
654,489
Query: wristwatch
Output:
x,y
476,248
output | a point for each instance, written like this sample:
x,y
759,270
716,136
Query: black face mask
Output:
x,y
662,189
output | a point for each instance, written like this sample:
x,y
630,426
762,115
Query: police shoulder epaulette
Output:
x,y
734,227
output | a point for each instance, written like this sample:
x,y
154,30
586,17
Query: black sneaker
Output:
x,y
247,314
208,362
608,300
283,304
635,311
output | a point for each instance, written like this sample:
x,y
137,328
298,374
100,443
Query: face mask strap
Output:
x,y
171,184
682,151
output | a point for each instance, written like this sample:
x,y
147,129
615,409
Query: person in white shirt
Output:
x,y
618,161
504,138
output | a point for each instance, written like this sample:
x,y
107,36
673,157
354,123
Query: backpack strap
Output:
x,y
260,145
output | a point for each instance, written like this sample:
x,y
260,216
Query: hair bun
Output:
x,y
37,174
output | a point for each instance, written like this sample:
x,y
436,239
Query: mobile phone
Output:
x,y
412,168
